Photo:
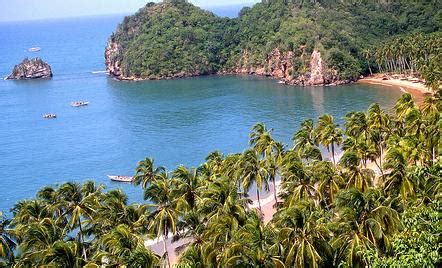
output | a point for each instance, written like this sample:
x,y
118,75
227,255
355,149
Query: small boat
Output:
x,y
34,49
49,116
121,178
79,103
281,82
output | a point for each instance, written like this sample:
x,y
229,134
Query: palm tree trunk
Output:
x,y
333,153
259,200
434,155
369,68
379,167
165,251
83,246
382,154
239,189
274,191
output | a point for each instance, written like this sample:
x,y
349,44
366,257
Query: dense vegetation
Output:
x,y
377,205
415,55
175,38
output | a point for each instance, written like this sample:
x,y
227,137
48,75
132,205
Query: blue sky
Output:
x,y
17,10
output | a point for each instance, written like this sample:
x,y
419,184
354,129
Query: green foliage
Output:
x,y
175,38
327,212
346,66
418,245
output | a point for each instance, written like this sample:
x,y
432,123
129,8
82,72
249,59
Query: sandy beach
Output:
x,y
415,88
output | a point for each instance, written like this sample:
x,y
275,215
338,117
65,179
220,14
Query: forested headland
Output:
x,y
377,205
300,42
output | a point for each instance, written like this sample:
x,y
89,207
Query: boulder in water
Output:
x,y
31,69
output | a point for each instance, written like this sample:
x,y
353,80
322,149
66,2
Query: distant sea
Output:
x,y
175,122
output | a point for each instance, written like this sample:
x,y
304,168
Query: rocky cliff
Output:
x,y
31,69
280,65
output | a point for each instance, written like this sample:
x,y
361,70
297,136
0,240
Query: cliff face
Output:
x,y
31,69
112,61
280,66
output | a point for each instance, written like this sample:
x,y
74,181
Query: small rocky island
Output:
x,y
31,69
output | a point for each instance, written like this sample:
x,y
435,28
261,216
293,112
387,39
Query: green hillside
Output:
x,y
276,38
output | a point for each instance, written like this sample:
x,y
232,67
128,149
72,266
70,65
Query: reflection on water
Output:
x,y
317,94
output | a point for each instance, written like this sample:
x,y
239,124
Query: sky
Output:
x,y
20,10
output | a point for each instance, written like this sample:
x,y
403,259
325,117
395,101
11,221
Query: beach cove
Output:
x,y
128,121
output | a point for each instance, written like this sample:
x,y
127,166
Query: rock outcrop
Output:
x,y
31,69
280,66
111,56
317,70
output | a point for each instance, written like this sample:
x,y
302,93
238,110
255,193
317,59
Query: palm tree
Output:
x,y
404,105
367,56
379,130
223,212
122,247
252,245
363,150
261,140
397,180
253,172
273,163
221,198
356,125
431,109
29,211
304,142
356,178
193,256
304,235
363,222
187,184
78,203
297,184
7,243
213,165
164,217
330,182
328,134
146,172
64,254
114,210
37,239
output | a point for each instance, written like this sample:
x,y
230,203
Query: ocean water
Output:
x,y
175,122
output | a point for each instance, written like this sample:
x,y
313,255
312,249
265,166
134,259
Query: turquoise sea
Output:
x,y
174,122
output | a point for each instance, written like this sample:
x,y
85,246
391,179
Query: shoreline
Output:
x,y
416,88
280,79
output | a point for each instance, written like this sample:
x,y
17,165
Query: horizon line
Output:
x,y
247,4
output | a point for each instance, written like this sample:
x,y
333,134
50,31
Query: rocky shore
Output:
x,y
278,65
31,69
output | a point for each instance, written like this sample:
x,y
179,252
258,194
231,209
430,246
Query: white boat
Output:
x,y
281,82
79,103
49,116
121,178
34,49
